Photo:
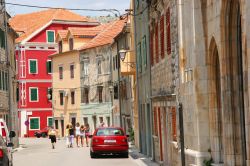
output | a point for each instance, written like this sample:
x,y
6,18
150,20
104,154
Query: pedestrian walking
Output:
x,y
87,132
52,136
82,134
78,133
67,136
71,135
102,124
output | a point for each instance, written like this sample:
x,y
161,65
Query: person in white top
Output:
x,y
78,133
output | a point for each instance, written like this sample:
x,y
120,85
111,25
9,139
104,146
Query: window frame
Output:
x,y
100,95
30,94
47,36
49,117
49,60
71,43
36,65
60,46
61,102
72,72
73,102
38,123
60,66
99,66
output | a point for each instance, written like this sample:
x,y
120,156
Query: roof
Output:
x,y
106,36
29,23
62,33
85,31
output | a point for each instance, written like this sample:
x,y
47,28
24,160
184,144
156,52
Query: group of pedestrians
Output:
x,y
80,132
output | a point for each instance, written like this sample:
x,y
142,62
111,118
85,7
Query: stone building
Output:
x,y
163,52
214,85
95,58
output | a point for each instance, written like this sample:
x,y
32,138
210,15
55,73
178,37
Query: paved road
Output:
x,y
38,152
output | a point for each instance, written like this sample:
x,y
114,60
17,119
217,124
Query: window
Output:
x,y
33,66
2,39
174,134
1,81
71,44
168,32
49,93
50,36
60,72
151,48
86,68
34,123
156,43
85,95
61,97
72,71
60,46
49,66
139,67
116,92
6,81
100,88
99,67
50,122
155,132
114,63
85,120
144,51
72,94
33,94
162,36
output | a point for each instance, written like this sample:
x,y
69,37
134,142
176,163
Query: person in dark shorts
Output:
x,y
71,135
52,136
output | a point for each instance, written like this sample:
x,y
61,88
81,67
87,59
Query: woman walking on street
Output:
x,y
82,134
78,133
52,136
71,135
87,131
67,136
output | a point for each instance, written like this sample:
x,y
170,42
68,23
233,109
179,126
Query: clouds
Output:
x,y
120,5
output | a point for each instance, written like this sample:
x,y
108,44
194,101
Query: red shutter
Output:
x,y
156,43
162,36
168,32
174,124
152,48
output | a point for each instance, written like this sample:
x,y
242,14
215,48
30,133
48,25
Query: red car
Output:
x,y
42,133
109,140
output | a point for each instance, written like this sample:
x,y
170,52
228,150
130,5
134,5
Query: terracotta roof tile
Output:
x,y
62,33
106,36
84,31
29,23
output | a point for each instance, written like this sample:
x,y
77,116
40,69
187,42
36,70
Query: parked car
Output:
x,y
109,140
42,133
6,158
4,132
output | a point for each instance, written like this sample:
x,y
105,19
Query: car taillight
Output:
x,y
1,153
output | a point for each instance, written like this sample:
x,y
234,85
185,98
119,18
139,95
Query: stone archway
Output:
x,y
215,104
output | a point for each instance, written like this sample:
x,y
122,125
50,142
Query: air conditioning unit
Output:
x,y
65,94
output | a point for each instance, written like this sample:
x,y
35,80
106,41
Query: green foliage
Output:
x,y
208,162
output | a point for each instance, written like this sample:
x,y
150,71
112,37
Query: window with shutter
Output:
x,y
174,134
73,97
100,88
60,45
144,51
2,39
49,67
156,44
72,74
155,122
71,44
33,66
34,123
168,32
50,122
50,36
33,94
6,81
152,48
60,72
162,35
139,57
61,98
49,93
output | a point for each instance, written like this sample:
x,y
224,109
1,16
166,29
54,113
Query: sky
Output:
x,y
120,5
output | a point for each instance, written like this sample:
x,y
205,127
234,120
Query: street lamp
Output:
x,y
123,53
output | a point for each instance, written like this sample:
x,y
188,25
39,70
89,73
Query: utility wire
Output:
x,y
73,9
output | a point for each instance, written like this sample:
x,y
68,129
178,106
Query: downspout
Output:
x,y
111,79
119,79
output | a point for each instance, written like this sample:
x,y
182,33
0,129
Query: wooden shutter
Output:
x,y
168,32
33,66
162,35
34,123
61,98
60,72
144,51
156,43
152,48
48,66
72,97
174,134
6,81
50,36
2,38
155,122
1,81
72,71
33,95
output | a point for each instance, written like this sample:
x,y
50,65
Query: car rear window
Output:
x,y
109,132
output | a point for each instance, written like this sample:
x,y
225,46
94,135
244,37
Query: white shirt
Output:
x,y
78,130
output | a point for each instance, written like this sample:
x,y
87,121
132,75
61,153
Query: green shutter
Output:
x,y
50,122
2,38
34,123
3,80
144,51
50,36
33,66
6,81
139,64
33,95
48,65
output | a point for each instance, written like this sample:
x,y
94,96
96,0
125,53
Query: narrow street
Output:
x,y
37,151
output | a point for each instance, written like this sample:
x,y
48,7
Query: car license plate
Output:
x,y
109,141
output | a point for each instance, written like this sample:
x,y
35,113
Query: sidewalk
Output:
x,y
139,158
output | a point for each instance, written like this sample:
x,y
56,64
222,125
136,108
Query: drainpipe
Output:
x,y
111,78
119,79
